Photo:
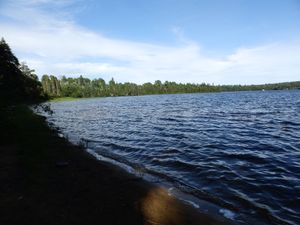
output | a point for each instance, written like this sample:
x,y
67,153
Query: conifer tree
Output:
x,y
14,84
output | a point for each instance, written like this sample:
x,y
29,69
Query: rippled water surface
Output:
x,y
240,150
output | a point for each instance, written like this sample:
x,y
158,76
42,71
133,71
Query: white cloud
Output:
x,y
55,45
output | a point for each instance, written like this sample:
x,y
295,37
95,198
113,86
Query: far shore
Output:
x,y
63,99
47,180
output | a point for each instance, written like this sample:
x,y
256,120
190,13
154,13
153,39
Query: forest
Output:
x,y
82,87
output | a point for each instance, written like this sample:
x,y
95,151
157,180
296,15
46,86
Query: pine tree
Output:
x,y
10,75
14,84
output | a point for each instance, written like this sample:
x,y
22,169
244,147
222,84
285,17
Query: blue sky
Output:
x,y
213,41
219,25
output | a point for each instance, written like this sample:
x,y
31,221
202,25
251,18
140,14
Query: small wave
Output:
x,y
170,119
289,123
227,213
253,158
176,163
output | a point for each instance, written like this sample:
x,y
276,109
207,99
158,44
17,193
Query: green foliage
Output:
x,y
51,86
83,87
63,99
27,71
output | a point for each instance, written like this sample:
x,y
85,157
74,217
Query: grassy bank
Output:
x,y
63,99
46,180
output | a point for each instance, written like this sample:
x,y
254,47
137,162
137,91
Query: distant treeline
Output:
x,y
84,87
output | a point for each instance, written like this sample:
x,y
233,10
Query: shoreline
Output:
x,y
179,192
48,180
64,99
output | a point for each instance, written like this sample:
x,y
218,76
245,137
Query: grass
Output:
x,y
63,99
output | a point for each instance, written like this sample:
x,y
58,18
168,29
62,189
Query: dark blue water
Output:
x,y
240,150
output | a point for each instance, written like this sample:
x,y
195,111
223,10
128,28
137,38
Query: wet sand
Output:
x,y
46,180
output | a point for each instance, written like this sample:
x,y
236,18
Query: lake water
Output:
x,y
240,151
